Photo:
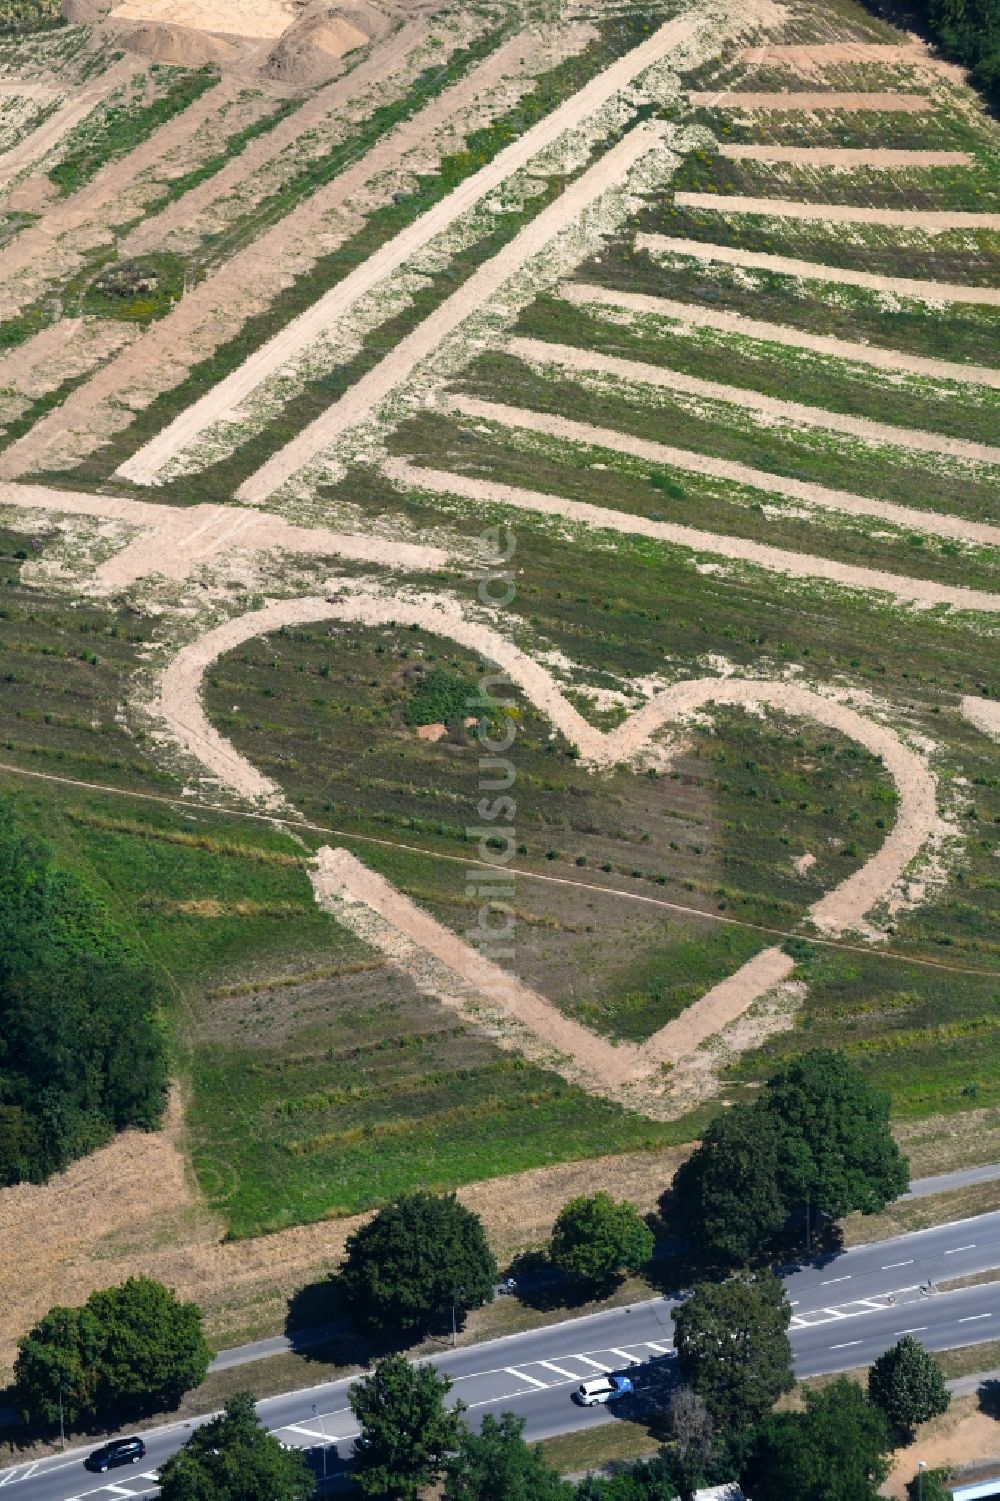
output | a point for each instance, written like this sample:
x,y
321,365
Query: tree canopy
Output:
x,y
907,1383
406,1431
497,1465
595,1238
414,1260
130,1349
234,1458
726,1202
732,1347
833,1451
817,1134
969,31
82,1054
835,1148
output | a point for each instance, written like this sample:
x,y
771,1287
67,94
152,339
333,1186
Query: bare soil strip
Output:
x,y
610,1066
845,156
391,372
317,114
984,713
932,523
145,465
811,103
569,357
694,316
922,592
931,221
176,540
216,309
834,52
52,130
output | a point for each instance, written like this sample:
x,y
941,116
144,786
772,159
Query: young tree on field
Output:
x,y
649,1480
725,1201
732,1347
129,1349
595,1239
234,1458
497,1465
406,1431
415,1260
907,1383
833,1451
835,1149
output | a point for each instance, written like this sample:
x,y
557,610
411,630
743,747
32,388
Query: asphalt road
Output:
x,y
842,1318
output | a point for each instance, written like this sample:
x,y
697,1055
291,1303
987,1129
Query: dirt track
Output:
x,y
812,103
931,221
145,465
696,316
922,592
218,308
398,365
984,713
845,156
607,1066
569,357
931,523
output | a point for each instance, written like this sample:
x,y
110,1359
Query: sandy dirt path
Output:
x,y
922,592
216,309
145,465
931,523
931,221
609,1067
812,54
845,156
906,104
398,365
569,357
692,315
174,541
51,131
984,713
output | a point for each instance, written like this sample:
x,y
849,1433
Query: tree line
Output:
x,y
969,32
82,1053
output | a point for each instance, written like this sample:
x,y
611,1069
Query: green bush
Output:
x,y
129,1350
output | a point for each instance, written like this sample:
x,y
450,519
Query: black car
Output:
x,y
121,1451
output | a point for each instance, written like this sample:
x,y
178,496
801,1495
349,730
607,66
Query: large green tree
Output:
x,y
129,1349
416,1259
407,1432
497,1465
81,1051
234,1458
595,1239
835,1149
833,1451
907,1383
726,1202
732,1347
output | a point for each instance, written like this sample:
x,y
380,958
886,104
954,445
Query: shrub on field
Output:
x,y
415,1261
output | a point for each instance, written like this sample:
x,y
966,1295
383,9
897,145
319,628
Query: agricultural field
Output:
x,y
499,580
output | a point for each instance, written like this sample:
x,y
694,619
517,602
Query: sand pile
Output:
x,y
295,41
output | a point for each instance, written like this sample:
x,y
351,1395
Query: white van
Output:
x,y
602,1389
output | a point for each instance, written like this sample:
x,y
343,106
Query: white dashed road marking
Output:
x,y
523,1376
